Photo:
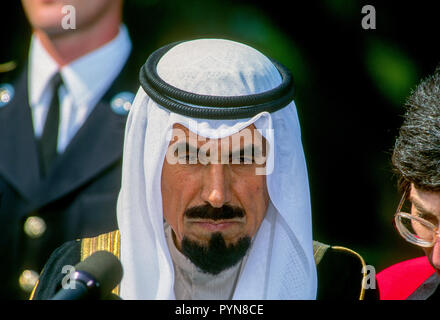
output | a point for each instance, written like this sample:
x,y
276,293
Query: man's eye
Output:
x,y
246,160
189,157
241,160
428,217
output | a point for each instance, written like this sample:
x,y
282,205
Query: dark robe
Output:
x,y
339,272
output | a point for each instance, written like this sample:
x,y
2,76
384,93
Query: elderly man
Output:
x,y
416,159
62,128
214,202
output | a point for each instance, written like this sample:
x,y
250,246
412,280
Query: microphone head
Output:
x,y
105,268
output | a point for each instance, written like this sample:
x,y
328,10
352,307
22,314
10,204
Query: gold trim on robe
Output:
x,y
112,242
108,241
364,269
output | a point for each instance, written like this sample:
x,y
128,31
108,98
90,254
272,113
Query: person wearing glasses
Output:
x,y
416,160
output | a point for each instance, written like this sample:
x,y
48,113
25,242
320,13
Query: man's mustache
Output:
x,y
209,212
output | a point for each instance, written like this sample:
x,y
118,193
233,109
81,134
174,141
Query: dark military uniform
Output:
x,y
78,196
340,270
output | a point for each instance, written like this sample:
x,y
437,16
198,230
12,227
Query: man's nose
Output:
x,y
216,185
436,254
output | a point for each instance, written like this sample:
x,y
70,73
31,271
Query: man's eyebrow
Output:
x,y
249,149
420,207
187,146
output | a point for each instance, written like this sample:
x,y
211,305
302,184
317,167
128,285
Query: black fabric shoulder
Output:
x,y
69,254
340,276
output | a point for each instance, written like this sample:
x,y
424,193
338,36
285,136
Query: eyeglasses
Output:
x,y
414,229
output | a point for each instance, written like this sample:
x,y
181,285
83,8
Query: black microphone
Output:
x,y
93,278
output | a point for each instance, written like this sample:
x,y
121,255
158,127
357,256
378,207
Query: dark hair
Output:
x,y
416,155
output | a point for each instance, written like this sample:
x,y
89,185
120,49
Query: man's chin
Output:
x,y
215,255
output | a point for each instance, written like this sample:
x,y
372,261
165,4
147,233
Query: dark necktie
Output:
x,y
48,142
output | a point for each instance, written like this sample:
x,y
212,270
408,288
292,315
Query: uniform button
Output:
x,y
6,94
34,227
121,103
28,279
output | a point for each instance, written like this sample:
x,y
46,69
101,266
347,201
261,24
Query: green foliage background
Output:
x,y
351,86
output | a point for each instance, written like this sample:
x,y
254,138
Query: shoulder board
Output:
x,y
7,66
398,281
319,250
108,241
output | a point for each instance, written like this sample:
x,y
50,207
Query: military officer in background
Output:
x,y
61,126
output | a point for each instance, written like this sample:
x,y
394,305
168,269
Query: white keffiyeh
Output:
x,y
280,263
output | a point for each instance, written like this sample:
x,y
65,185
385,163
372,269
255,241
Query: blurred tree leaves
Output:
x,y
392,71
176,20
342,9
349,82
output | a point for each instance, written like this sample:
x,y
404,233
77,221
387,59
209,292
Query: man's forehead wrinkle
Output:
x,y
235,141
222,127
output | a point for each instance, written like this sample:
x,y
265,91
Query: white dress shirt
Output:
x,y
85,81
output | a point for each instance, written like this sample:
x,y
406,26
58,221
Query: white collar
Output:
x,y
42,67
85,77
